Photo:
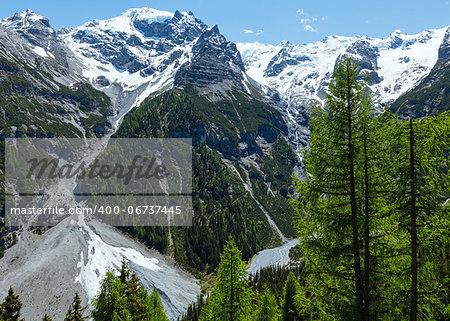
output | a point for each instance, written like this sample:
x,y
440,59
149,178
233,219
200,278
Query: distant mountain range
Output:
x,y
301,73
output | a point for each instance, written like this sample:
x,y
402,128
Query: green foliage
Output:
x,y
420,162
330,213
274,278
46,318
372,202
276,169
230,298
267,307
89,98
10,308
75,312
289,311
268,283
194,310
221,205
123,297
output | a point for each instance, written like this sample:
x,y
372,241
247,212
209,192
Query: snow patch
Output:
x,y
102,256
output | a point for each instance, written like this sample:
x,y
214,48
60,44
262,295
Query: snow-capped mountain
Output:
x,y
139,54
300,73
147,51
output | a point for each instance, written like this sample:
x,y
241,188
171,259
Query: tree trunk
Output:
x,y
414,295
354,210
366,236
231,292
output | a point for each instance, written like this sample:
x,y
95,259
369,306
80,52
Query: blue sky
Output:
x,y
266,21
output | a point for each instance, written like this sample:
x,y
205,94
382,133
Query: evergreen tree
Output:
x,y
267,308
75,312
289,311
330,212
420,163
156,307
125,298
46,318
230,298
10,308
110,303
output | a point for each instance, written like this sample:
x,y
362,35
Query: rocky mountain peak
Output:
x,y
25,19
398,32
444,49
30,25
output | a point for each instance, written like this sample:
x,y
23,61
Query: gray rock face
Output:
x,y
158,36
31,26
37,32
214,60
366,57
367,53
179,29
281,61
444,49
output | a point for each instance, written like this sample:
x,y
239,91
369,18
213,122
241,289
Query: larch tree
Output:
x,y
231,295
267,307
336,199
421,192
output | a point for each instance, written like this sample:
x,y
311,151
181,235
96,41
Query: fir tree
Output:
x,y
267,308
230,298
75,312
10,308
110,303
289,311
125,298
156,307
46,318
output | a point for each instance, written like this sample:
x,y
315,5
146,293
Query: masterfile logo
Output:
x,y
128,182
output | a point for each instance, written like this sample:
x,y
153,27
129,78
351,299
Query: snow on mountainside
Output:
x,y
133,52
139,54
144,52
150,51
300,73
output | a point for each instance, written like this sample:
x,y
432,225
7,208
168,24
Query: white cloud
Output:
x,y
306,20
309,28
249,32
324,18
